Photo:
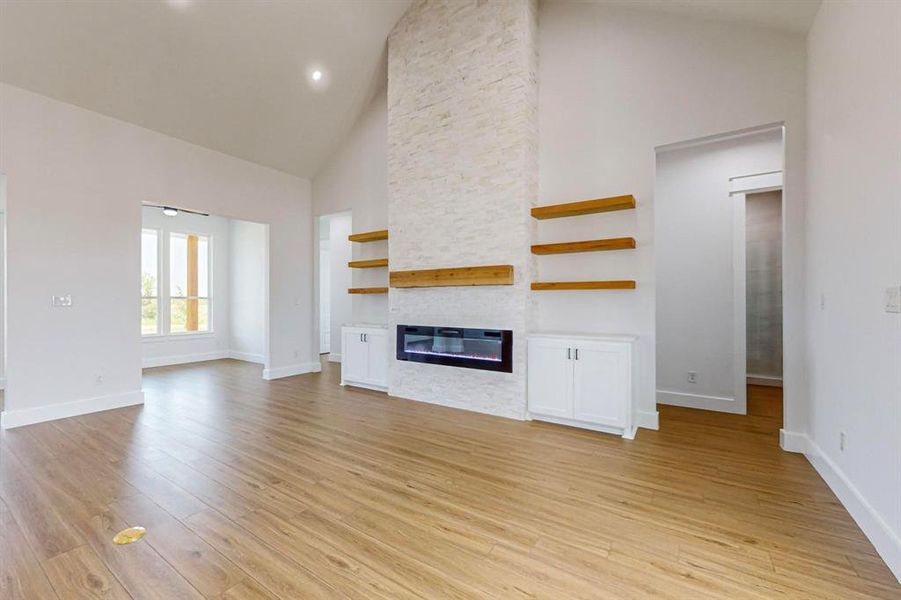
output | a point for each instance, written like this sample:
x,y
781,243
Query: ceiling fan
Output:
x,y
171,211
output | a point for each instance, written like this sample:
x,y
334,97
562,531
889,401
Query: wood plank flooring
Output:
x,y
299,488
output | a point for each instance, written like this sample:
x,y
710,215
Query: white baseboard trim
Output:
x,y
334,357
647,420
247,357
886,541
793,441
368,386
40,414
720,403
764,380
291,370
181,359
628,434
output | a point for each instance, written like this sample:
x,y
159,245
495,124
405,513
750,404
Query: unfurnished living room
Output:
x,y
450,299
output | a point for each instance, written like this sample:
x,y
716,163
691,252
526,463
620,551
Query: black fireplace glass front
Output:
x,y
488,349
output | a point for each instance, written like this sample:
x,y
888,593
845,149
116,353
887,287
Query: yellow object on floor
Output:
x,y
130,535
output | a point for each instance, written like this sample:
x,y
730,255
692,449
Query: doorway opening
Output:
x,y
333,281
718,246
763,287
325,328
204,288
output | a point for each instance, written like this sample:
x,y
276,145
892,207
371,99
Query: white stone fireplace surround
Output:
x,y
462,177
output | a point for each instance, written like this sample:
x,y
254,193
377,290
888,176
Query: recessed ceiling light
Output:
x,y
318,77
179,4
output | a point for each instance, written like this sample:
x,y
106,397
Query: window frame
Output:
x,y
164,298
170,297
159,283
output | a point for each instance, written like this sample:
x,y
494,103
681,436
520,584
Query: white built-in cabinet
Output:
x,y
584,381
364,356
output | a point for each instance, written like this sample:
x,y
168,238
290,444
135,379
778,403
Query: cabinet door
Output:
x,y
354,357
377,341
601,383
550,377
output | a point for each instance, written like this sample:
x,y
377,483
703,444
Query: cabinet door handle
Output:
x,y
361,337
577,354
365,337
569,354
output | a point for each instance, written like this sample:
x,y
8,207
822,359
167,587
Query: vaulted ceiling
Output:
x,y
230,75
792,16
234,75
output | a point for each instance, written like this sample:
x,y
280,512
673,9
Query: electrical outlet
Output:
x,y
842,440
692,377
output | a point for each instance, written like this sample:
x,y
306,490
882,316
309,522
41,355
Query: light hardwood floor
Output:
x,y
298,488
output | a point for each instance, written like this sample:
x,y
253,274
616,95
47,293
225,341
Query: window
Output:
x,y
180,302
150,282
189,283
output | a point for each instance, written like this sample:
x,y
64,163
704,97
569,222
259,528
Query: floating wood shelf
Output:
x,y
624,243
584,285
371,290
368,264
369,236
459,276
585,207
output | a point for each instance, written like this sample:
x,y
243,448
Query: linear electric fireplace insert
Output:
x,y
488,349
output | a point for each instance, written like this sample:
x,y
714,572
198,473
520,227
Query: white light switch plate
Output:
x,y
893,299
61,301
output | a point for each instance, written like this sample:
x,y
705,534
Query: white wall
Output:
x,y
76,180
615,84
181,348
339,254
763,276
2,281
355,180
248,289
694,241
854,253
